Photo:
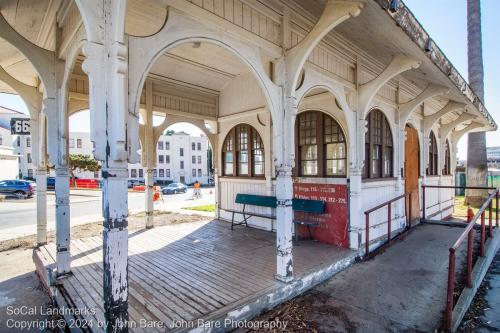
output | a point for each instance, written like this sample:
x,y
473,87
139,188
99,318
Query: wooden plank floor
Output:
x,y
186,271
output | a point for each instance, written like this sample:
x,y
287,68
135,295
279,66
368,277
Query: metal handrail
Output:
x,y
389,213
450,187
469,233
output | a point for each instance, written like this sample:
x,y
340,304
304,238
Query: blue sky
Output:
x,y
446,22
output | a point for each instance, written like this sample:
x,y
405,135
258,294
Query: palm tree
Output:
x,y
477,168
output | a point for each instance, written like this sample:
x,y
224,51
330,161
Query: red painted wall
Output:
x,y
334,226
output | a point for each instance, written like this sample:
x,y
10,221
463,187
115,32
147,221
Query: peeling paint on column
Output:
x,y
284,226
63,256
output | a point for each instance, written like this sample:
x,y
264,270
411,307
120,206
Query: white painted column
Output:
x,y
356,218
284,191
63,257
284,223
57,139
216,187
149,155
149,182
113,128
115,243
41,205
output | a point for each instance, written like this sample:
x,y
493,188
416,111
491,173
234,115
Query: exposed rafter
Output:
x,y
457,135
445,130
335,12
406,109
399,64
430,120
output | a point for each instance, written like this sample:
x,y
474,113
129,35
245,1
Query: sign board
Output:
x,y
20,126
333,228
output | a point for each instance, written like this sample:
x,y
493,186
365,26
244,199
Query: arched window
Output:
x,y
243,152
379,151
321,146
447,159
432,169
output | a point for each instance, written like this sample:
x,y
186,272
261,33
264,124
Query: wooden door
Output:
x,y
412,166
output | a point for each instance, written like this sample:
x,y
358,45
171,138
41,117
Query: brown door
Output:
x,y
412,166
182,180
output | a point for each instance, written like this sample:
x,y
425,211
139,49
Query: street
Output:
x,y
18,217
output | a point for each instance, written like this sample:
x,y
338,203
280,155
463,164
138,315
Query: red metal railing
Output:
x,y
469,233
424,206
389,218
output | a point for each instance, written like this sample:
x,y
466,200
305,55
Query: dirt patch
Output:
x,y
309,313
476,316
135,221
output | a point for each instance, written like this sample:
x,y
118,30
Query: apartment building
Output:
x,y
180,158
9,164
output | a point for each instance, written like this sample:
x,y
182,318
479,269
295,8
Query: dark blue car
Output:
x,y
21,189
174,188
51,183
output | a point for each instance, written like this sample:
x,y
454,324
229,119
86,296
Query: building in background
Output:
x,y
181,158
493,154
9,160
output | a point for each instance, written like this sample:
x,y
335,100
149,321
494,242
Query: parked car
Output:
x,y
132,182
174,188
21,189
51,183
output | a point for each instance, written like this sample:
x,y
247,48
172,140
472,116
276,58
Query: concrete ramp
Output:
x,y
400,290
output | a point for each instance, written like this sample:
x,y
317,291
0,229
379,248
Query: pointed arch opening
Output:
x,y
243,153
321,146
379,147
432,168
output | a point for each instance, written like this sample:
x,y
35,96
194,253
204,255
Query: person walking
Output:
x,y
196,190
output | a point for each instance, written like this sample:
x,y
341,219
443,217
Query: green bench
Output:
x,y
298,205
310,207
252,200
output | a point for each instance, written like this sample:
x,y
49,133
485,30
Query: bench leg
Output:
x,y
232,222
309,230
296,233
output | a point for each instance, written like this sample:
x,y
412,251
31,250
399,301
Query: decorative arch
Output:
x,y
379,145
180,29
41,59
321,145
172,120
315,80
243,152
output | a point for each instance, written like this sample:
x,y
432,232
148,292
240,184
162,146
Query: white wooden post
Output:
x,y
284,225
284,192
63,257
41,182
149,155
41,205
107,66
57,139
149,182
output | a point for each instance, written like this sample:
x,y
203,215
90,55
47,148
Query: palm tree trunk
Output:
x,y
477,167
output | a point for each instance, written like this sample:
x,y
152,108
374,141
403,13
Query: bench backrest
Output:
x,y
299,205
308,206
256,200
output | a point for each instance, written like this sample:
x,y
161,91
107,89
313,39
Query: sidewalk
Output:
x,y
402,289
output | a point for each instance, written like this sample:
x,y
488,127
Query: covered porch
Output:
x,y
190,274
